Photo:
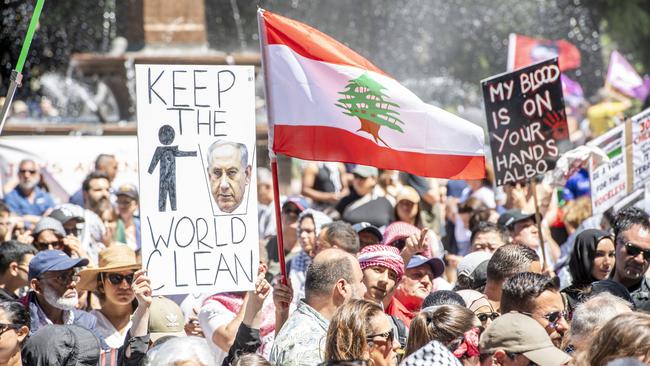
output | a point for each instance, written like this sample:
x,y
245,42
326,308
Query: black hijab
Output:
x,y
582,257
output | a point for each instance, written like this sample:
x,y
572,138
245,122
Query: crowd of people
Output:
x,y
382,268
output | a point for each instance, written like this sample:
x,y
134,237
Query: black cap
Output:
x,y
512,217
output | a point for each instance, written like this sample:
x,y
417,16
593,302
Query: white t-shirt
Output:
x,y
105,328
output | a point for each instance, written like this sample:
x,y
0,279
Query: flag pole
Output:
x,y
272,156
16,74
538,217
278,219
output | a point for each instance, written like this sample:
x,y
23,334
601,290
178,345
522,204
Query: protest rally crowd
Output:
x,y
382,266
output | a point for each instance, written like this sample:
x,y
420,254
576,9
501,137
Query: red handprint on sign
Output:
x,y
556,120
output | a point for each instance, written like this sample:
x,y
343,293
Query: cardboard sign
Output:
x,y
526,121
609,182
641,148
198,200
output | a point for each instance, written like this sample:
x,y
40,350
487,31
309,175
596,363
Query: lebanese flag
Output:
x,y
524,51
327,103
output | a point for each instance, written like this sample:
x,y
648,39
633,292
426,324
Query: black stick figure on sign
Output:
x,y
167,155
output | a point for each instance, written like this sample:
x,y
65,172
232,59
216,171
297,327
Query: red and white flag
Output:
x,y
524,51
328,103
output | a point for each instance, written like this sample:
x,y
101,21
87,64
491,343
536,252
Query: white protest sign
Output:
x,y
609,181
198,200
641,148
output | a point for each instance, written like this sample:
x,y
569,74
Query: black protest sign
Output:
x,y
526,121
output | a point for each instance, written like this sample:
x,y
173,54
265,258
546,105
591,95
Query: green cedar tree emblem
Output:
x,y
363,98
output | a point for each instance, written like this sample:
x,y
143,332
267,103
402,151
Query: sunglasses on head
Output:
x,y
483,317
634,250
116,278
389,336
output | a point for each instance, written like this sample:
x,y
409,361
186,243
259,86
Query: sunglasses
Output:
x,y
116,278
40,246
6,326
483,317
553,317
30,171
389,336
634,250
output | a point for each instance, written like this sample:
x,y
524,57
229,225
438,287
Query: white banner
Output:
x,y
609,181
198,202
66,160
641,148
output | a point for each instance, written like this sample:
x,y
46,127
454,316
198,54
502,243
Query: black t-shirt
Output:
x,y
7,295
378,212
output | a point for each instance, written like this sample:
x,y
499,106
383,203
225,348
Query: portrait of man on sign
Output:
x,y
229,173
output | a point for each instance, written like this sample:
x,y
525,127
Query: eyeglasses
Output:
x,y
553,317
389,336
64,278
634,250
5,327
483,317
116,278
30,171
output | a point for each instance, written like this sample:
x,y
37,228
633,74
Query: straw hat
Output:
x,y
116,258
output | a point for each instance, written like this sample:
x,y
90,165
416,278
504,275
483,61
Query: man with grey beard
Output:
x,y
53,280
28,199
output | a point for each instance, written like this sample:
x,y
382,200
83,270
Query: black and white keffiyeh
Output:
x,y
434,354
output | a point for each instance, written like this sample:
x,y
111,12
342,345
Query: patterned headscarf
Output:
x,y
382,256
319,218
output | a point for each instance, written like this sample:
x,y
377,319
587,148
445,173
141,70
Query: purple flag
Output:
x,y
572,91
622,76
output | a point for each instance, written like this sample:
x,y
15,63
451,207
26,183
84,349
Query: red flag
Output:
x,y
328,103
524,51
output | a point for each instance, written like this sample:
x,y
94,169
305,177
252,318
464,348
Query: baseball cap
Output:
x,y
165,319
513,216
67,212
300,202
468,264
518,333
408,193
365,171
366,226
53,260
479,275
48,223
437,265
128,190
